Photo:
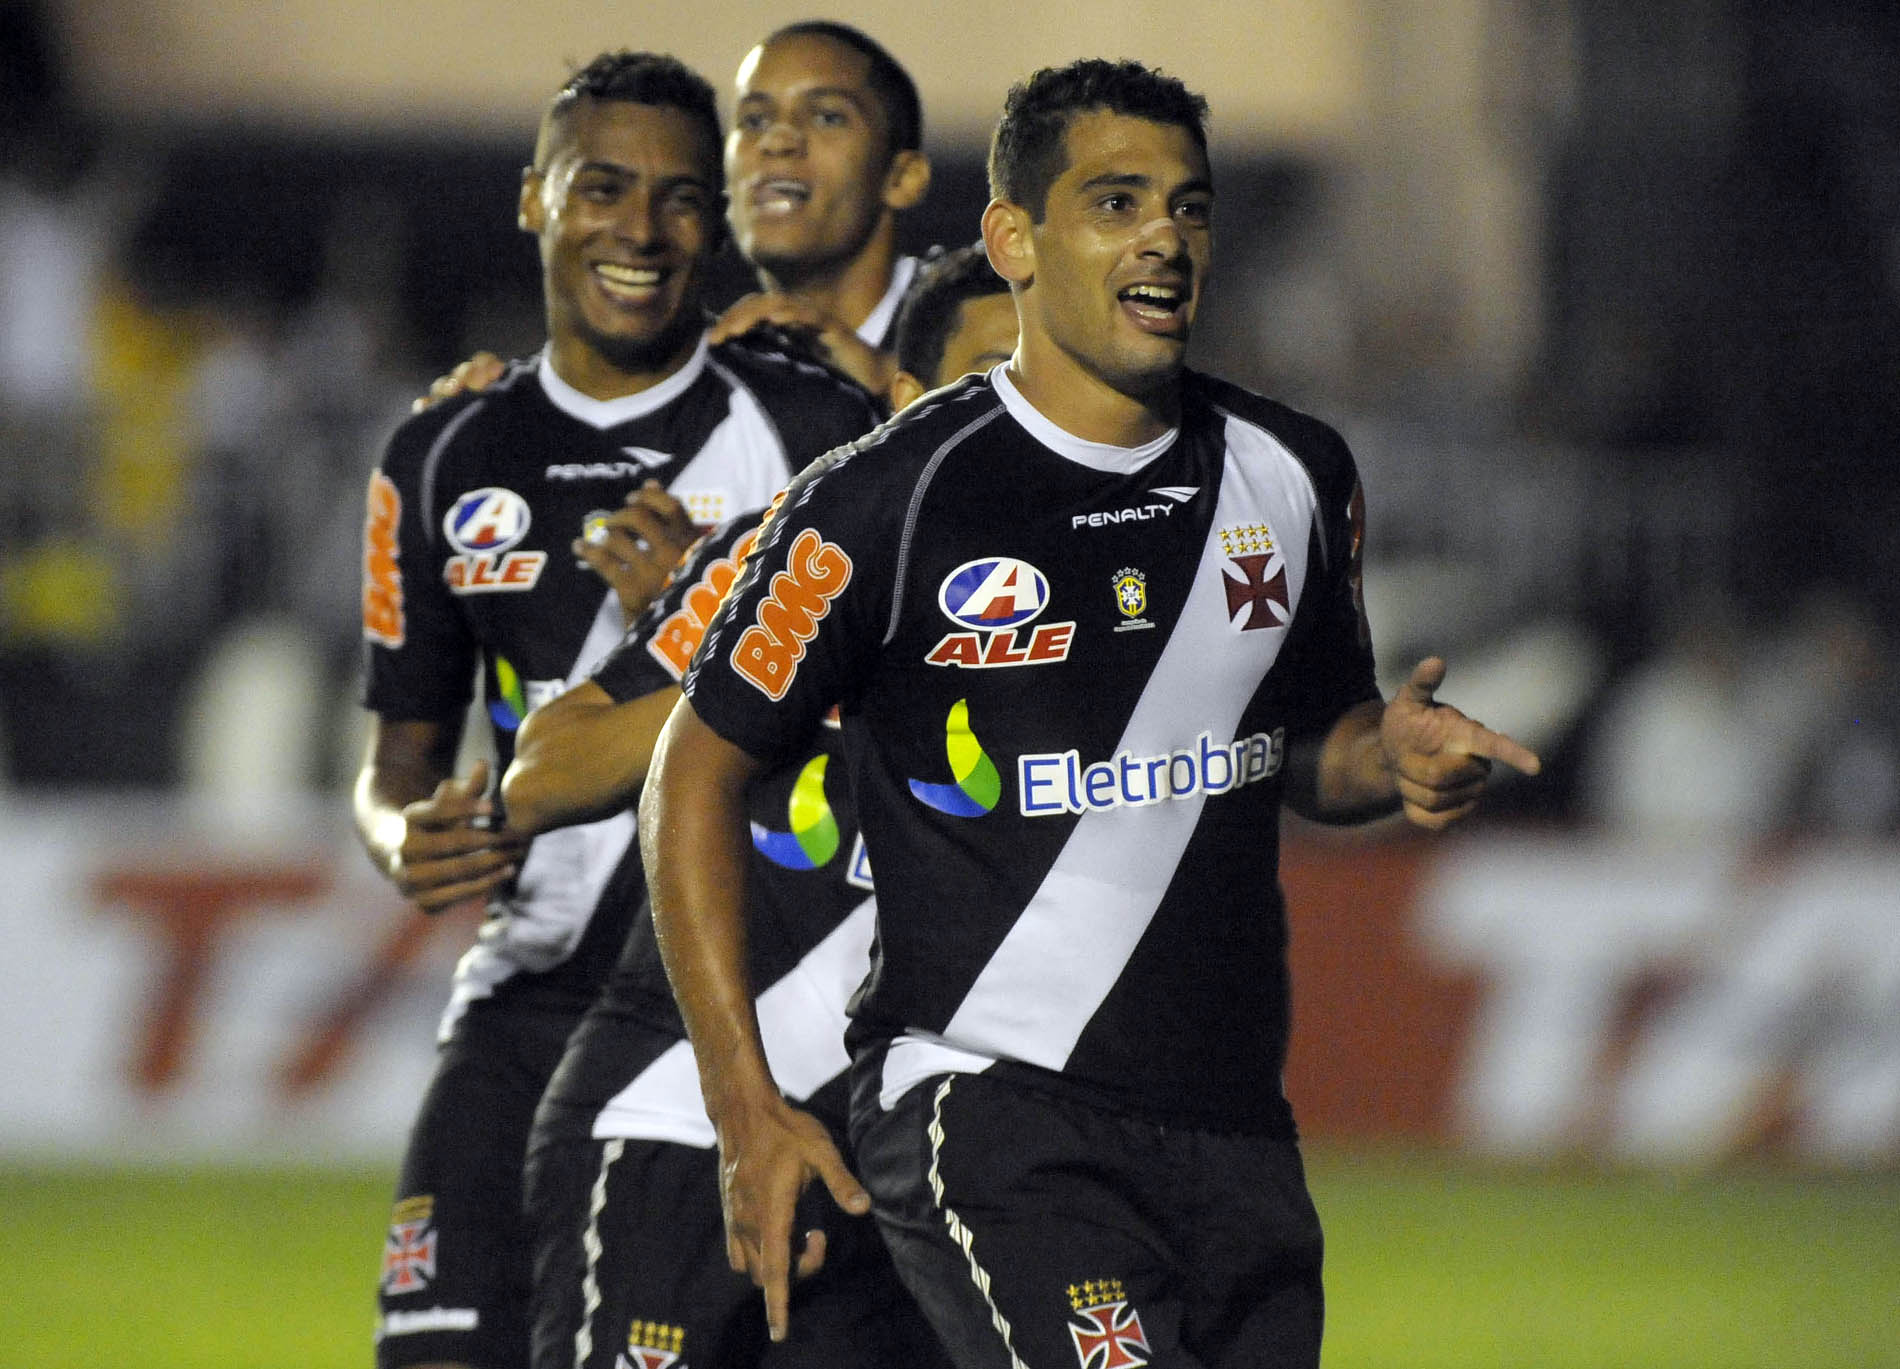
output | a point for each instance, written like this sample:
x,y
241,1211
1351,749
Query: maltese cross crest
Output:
x,y
408,1257
1110,1334
1260,595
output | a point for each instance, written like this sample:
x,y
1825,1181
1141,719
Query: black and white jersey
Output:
x,y
808,899
468,565
1069,674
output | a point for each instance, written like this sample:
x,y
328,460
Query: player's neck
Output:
x,y
847,290
1084,404
584,367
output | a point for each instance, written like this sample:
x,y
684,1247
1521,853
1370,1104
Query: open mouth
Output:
x,y
780,195
629,284
1154,305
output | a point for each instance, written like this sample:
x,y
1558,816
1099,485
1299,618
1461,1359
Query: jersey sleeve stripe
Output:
x,y
432,462
908,532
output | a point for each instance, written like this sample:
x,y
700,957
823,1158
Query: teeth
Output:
x,y
1153,294
628,275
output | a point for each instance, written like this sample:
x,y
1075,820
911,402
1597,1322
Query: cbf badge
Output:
x,y
1131,599
1108,1334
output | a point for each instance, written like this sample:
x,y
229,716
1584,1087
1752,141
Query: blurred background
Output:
x,y
1605,294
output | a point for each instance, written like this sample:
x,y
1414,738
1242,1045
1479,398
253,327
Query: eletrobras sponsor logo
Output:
x,y
1053,782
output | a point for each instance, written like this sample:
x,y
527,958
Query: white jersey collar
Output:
x,y
608,413
1100,456
875,330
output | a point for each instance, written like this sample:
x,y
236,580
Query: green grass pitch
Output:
x,y
1430,1263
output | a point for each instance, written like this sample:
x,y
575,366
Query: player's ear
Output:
x,y
907,181
530,213
1007,242
904,390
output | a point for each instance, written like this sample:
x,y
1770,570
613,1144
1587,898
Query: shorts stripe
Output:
x,y
964,1238
590,1242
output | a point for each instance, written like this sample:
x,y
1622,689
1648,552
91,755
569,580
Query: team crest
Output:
x,y
653,1345
1108,1334
409,1252
484,526
1131,599
1258,597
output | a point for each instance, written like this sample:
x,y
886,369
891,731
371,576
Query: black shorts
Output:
x,y
630,1257
455,1263
1044,1231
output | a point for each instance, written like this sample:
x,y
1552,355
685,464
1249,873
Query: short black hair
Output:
x,y
641,78
945,282
903,111
1027,153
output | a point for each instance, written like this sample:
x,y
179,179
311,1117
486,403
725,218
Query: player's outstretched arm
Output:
x,y
433,835
1412,753
581,756
693,839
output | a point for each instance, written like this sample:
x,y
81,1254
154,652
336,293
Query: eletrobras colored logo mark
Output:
x,y
978,785
813,840
511,707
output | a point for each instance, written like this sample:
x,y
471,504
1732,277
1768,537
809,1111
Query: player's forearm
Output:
x,y
581,756
693,840
406,761
1343,776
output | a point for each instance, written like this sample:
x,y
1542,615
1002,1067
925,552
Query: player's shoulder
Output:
x,y
428,432
1315,443
904,449
778,372
936,421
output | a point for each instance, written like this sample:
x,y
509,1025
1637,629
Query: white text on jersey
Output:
x,y
1055,782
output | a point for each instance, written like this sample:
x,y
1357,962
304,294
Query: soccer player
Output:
x,y
513,531
1093,618
957,318
622,1184
825,152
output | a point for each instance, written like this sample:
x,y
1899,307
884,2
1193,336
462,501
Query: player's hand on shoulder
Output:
x,y
1439,758
825,339
477,373
635,548
454,846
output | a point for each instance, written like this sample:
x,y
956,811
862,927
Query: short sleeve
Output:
x,y
805,620
420,654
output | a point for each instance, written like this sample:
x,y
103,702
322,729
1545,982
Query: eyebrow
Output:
x,y
1134,180
617,169
855,96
